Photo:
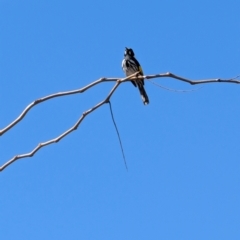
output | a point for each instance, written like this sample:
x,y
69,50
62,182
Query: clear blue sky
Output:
x,y
182,149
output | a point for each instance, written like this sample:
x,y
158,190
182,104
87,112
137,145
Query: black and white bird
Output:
x,y
130,65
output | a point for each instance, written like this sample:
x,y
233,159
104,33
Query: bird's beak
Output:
x,y
126,48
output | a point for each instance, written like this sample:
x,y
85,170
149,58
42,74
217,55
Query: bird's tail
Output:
x,y
143,94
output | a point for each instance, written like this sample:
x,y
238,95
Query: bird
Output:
x,y
130,65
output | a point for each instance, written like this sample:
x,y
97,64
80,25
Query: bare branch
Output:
x,y
173,90
117,81
171,75
60,94
133,77
57,139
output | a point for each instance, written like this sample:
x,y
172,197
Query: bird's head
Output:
x,y
128,52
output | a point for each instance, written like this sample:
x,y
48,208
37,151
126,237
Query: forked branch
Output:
x,y
74,127
117,81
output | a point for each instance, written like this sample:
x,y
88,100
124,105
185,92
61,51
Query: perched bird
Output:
x,y
130,65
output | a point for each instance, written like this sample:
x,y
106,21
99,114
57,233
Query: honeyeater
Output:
x,y
130,65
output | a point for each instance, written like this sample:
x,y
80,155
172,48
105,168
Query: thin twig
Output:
x,y
173,90
115,125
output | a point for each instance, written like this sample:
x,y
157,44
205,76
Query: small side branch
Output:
x,y
173,90
119,138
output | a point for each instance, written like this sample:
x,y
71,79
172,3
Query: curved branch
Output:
x,y
133,77
60,94
213,80
74,127
172,90
106,100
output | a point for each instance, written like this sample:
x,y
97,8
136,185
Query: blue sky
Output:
x,y
182,149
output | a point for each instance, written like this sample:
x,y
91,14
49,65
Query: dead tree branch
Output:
x,y
74,127
117,81
81,90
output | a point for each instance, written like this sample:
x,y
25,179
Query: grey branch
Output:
x,y
81,90
74,127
